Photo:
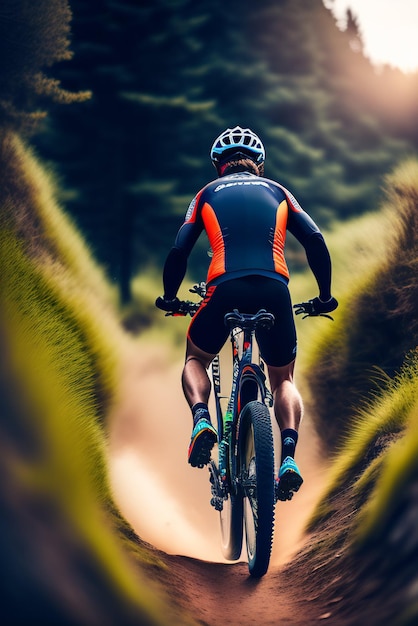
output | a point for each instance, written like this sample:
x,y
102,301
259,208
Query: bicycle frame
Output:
x,y
248,383
242,475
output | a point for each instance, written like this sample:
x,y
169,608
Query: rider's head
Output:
x,y
238,150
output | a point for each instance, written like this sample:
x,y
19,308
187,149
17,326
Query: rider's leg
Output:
x,y
195,379
288,406
288,409
196,387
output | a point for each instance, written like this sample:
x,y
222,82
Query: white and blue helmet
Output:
x,y
239,141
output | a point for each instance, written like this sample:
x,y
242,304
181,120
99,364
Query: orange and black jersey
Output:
x,y
246,219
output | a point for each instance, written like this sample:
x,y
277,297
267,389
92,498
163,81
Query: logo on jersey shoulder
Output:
x,y
290,197
190,210
240,182
294,201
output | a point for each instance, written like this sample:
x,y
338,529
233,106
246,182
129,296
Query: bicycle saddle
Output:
x,y
247,320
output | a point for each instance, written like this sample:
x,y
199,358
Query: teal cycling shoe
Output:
x,y
203,439
289,479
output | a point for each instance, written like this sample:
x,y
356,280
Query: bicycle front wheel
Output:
x,y
257,480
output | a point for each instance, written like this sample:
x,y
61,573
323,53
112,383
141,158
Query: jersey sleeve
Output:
x,y
298,222
301,225
191,228
175,266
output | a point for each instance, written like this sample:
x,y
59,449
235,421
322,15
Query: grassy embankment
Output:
x,y
66,550
363,374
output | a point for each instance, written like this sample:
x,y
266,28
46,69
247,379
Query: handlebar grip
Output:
x,y
307,309
186,307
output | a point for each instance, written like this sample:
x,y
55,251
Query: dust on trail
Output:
x,y
163,498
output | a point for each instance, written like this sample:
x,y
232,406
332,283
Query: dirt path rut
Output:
x,y
167,502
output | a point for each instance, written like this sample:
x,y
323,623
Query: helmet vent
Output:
x,y
238,138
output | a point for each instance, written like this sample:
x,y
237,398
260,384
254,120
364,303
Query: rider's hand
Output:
x,y
172,306
319,306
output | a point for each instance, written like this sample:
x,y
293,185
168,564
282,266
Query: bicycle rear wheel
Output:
x,y
229,507
231,518
257,480
230,515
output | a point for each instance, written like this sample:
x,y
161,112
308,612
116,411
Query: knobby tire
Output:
x,y
231,518
231,515
257,477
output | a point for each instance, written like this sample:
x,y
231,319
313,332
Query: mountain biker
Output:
x,y
246,217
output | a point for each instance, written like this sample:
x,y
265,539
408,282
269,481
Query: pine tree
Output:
x,y
33,36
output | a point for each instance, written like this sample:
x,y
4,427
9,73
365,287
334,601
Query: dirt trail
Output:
x,y
224,595
167,502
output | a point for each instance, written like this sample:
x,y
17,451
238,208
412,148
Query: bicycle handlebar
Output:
x,y
187,307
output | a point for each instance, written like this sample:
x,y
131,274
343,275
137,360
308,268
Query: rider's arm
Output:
x,y
176,263
320,263
308,234
174,271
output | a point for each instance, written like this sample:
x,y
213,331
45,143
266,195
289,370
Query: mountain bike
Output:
x,y
242,473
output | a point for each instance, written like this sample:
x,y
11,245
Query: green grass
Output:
x,y
375,280
399,466
380,400
363,382
47,230
49,351
387,415
64,349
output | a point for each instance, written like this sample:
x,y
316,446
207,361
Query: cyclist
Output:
x,y
246,217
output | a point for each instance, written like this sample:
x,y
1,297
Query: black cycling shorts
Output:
x,y
248,294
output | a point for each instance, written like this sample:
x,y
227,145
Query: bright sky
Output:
x,y
389,29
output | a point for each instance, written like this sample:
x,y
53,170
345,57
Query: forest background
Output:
x,y
167,76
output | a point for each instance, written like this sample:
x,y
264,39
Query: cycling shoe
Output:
x,y
202,441
289,480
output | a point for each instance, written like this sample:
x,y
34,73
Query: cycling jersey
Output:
x,y
246,218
